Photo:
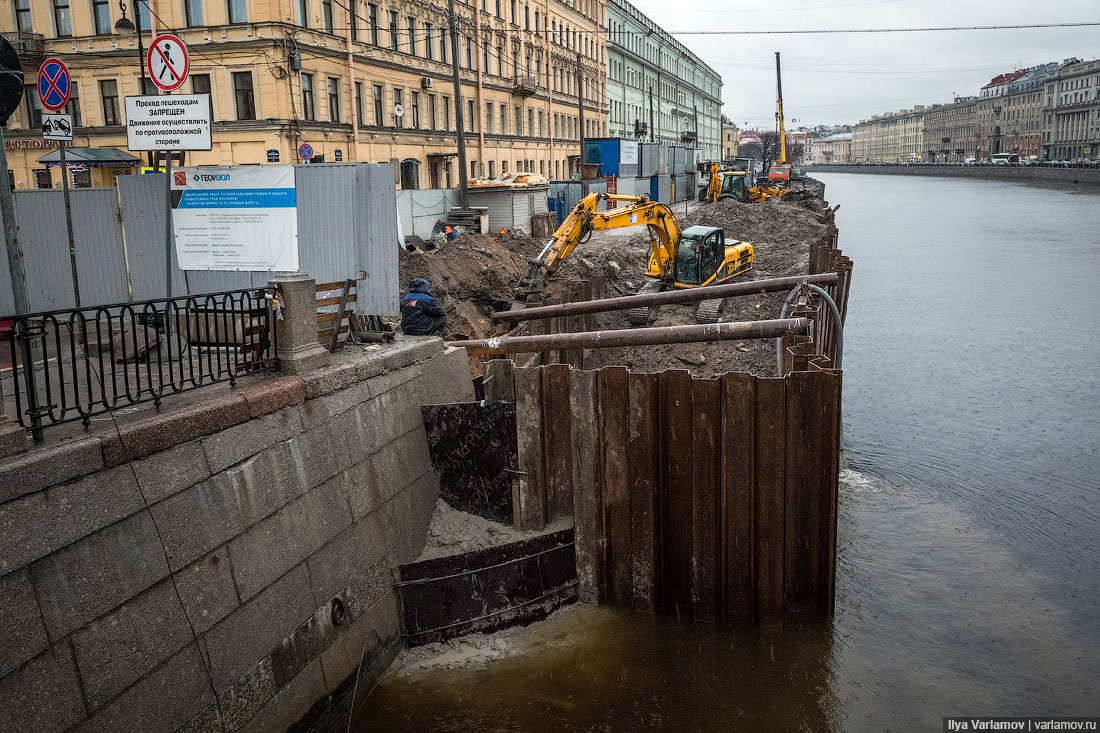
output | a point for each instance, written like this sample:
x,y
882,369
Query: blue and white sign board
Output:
x,y
236,218
305,151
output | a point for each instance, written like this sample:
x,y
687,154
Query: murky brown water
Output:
x,y
969,568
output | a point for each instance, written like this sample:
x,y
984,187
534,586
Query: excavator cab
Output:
x,y
699,254
736,184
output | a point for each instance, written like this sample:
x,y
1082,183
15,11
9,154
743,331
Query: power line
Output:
x,y
808,31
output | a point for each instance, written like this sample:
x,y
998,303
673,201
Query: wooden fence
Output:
x,y
712,499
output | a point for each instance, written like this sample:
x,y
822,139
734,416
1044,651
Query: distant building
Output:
x,y
950,131
730,140
1009,113
836,148
1071,111
658,90
890,138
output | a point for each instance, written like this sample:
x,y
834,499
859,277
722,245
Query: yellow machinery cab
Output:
x,y
705,257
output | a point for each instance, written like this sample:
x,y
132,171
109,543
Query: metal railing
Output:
x,y
89,361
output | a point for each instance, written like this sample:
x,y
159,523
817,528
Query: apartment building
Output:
x,y
357,80
658,90
890,138
1009,113
731,135
950,131
1071,111
835,148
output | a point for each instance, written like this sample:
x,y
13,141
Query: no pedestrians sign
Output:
x,y
168,62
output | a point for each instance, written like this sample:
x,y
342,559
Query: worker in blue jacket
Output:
x,y
420,314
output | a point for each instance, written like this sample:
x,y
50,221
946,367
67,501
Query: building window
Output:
x,y
353,16
62,20
372,18
514,13
34,107
431,112
411,24
469,53
393,30
307,97
72,107
301,13
378,119
244,95
446,113
489,118
444,39
397,102
530,121
333,99
192,12
23,16
108,91
42,178
416,110
101,15
326,15
470,115
200,84
519,122
237,11
485,57
498,9
359,102
492,169
527,17
429,50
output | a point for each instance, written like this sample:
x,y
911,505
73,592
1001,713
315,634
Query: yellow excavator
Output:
x,y
737,185
679,258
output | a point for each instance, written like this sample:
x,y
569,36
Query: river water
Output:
x,y
969,561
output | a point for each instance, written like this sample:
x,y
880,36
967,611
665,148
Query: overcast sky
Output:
x,y
843,78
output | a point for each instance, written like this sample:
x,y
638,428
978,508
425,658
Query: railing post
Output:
x,y
13,439
296,334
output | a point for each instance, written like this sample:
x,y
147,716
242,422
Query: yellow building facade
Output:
x,y
358,81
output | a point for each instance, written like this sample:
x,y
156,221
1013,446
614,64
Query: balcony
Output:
x,y
28,47
524,86
687,137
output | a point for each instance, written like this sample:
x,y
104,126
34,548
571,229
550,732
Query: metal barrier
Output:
x,y
89,361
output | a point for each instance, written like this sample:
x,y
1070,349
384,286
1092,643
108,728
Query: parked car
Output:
x,y
970,161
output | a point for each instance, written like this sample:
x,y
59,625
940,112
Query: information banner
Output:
x,y
168,122
235,218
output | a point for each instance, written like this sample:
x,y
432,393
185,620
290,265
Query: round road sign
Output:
x,y
305,151
53,84
168,62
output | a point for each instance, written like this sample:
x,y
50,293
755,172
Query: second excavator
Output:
x,y
679,258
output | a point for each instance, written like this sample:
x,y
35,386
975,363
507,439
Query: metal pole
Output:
x,y
168,222
69,221
754,287
580,112
11,235
463,191
141,63
634,337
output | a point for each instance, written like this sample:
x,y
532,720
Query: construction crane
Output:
x,y
679,258
780,171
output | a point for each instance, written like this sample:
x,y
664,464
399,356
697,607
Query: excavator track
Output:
x,y
707,312
640,316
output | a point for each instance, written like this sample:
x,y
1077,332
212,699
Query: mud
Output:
x,y
453,532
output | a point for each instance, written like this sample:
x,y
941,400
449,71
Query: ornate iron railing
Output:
x,y
79,363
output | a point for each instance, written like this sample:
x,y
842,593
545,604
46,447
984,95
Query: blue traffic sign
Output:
x,y
53,84
305,151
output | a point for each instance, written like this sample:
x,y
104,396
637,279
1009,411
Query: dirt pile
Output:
x,y
780,230
471,276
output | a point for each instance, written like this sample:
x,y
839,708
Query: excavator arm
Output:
x,y
664,233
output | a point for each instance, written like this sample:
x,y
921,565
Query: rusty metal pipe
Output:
x,y
754,287
634,337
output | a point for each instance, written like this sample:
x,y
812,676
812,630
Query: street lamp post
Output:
x,y
124,27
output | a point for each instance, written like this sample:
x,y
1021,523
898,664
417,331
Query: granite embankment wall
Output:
x,y
223,565
1021,174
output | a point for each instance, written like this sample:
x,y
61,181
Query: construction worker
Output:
x,y
420,314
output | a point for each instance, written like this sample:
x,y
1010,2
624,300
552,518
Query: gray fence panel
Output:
x,y
143,212
328,196
97,237
377,291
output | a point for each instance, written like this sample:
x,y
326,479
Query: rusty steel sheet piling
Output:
x,y
634,337
754,287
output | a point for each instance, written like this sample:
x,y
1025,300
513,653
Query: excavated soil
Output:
x,y
477,273
780,230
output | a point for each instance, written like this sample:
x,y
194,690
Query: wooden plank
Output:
x,y
802,521
529,490
348,285
322,287
614,428
738,448
335,299
706,407
558,454
500,380
675,387
642,449
769,503
587,486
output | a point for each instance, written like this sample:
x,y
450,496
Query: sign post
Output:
x,y
53,91
168,65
